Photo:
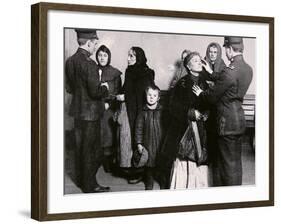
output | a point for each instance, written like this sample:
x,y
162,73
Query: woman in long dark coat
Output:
x,y
111,75
184,107
138,77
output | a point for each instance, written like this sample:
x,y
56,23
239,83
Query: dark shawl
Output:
x,y
137,79
219,64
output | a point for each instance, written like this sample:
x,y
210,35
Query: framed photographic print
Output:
x,y
138,111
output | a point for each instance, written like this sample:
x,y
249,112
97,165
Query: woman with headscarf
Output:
x,y
214,59
138,77
111,75
186,112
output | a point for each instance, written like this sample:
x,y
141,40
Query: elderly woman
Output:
x,y
138,77
186,133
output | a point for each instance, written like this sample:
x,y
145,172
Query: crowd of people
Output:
x,y
121,126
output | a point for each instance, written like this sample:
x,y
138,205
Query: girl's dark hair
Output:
x,y
106,50
140,56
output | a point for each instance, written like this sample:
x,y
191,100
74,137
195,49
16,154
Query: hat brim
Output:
x,y
238,45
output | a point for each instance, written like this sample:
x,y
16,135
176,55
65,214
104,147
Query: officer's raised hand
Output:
x,y
207,67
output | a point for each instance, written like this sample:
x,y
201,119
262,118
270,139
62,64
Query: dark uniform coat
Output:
x,y
82,81
228,93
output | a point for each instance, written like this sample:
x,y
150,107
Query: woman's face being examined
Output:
x,y
102,58
131,57
195,64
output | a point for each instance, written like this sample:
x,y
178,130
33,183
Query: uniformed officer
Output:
x,y
82,81
228,93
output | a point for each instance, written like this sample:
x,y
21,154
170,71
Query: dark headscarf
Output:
x,y
137,78
105,49
140,56
219,64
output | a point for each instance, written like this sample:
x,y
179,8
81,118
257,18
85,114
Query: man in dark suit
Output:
x,y
228,93
82,81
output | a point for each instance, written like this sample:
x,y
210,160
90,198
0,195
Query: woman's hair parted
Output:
x,y
105,49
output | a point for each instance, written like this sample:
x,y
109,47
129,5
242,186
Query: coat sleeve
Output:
x,y
139,131
117,87
95,90
213,95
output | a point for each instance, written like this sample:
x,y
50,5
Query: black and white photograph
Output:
x,y
150,111
153,111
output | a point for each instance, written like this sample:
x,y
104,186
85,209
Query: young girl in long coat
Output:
x,y
111,75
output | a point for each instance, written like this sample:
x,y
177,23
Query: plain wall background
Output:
x,y
162,50
15,113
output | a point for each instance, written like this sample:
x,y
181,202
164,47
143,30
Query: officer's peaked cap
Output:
x,y
86,33
233,41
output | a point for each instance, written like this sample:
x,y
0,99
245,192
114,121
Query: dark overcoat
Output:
x,y
228,93
137,79
149,132
82,81
110,75
182,105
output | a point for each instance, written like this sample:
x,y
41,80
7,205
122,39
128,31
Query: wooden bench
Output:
x,y
249,110
249,106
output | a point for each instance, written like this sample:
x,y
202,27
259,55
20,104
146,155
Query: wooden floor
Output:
x,y
118,183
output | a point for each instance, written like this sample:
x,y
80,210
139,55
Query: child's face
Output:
x,y
102,58
152,97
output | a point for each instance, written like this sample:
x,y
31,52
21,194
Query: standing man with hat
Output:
x,y
228,93
82,81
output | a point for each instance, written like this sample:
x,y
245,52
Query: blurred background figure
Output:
x,y
180,69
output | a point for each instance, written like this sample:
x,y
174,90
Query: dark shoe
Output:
x,y
135,181
100,189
